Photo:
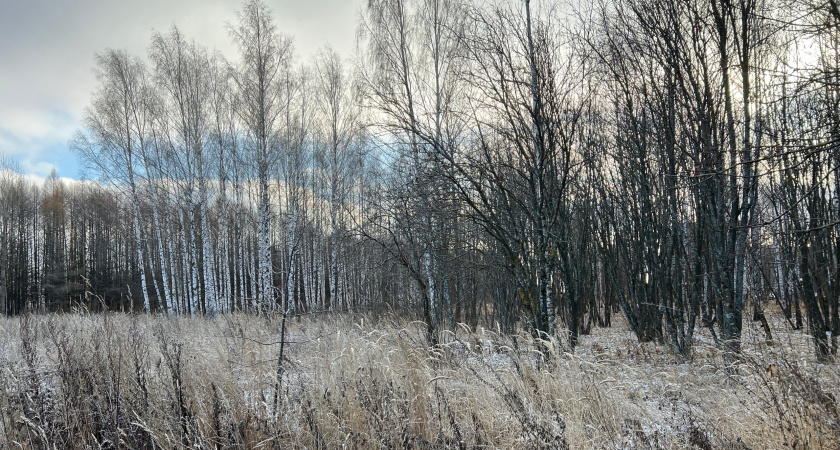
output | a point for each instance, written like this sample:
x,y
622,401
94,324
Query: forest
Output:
x,y
535,166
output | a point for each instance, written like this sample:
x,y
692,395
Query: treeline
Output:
x,y
676,161
70,244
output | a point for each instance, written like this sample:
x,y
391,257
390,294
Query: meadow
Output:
x,y
113,380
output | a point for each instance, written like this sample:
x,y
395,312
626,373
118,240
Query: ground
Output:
x,y
356,381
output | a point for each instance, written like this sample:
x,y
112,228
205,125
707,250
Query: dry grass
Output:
x,y
91,381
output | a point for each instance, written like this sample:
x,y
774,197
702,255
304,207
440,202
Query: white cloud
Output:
x,y
37,168
29,124
47,53
37,139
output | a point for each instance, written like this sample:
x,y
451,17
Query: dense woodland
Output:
x,y
541,163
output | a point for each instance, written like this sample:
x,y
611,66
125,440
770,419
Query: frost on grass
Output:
x,y
92,381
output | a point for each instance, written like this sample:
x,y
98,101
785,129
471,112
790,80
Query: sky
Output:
x,y
47,50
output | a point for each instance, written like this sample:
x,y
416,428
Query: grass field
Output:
x,y
352,381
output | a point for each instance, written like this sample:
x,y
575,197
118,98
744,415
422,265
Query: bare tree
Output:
x,y
8,175
338,123
118,123
516,182
265,59
183,72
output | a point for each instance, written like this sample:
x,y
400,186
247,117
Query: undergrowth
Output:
x,y
110,381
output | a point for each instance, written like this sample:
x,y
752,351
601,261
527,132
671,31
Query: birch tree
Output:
x,y
265,57
517,179
338,123
389,77
183,72
118,123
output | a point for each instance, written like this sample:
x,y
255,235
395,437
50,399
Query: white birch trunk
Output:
x,y
195,281
290,285
187,269
135,203
264,247
253,270
430,279
224,259
164,263
210,293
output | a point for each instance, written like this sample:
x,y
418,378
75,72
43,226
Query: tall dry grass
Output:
x,y
149,382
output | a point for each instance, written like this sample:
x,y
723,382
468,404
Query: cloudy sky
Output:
x,y
47,50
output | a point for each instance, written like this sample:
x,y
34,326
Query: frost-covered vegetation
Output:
x,y
536,168
471,161
354,381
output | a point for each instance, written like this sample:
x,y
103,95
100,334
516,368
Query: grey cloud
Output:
x,y
47,52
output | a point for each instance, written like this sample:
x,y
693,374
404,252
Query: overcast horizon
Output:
x,y
48,48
